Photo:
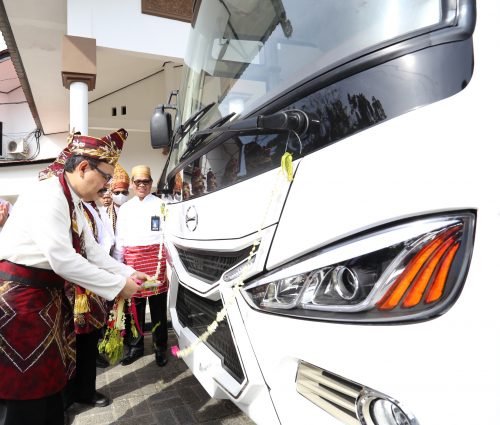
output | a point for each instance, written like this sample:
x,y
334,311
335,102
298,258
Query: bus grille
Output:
x,y
330,392
197,313
210,266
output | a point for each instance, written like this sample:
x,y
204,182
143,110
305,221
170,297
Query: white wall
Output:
x,y
17,124
3,46
18,178
16,118
116,24
140,100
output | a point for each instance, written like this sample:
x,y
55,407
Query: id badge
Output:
x,y
155,223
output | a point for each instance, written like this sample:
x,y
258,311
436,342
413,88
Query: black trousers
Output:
x,y
82,386
158,310
42,411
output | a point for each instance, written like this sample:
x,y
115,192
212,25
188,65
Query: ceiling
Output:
x,y
8,76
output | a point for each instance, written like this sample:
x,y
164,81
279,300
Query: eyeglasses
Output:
x,y
142,182
106,176
120,192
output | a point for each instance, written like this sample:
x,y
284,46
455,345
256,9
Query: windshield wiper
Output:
x,y
294,120
222,120
198,137
193,120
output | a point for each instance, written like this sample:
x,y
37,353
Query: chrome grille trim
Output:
x,y
330,392
209,266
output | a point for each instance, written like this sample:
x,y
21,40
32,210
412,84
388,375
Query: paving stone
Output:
x,y
120,406
215,409
165,417
137,420
140,406
184,415
160,398
102,418
144,394
148,389
188,395
236,420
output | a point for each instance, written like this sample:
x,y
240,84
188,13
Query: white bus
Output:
x,y
369,292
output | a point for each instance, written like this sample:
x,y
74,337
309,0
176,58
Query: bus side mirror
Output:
x,y
160,128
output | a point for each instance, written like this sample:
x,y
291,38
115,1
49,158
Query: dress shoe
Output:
x,y
132,356
98,400
101,361
161,357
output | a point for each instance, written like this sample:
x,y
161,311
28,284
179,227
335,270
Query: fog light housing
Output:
x,y
378,409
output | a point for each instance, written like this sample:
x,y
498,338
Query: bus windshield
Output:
x,y
241,53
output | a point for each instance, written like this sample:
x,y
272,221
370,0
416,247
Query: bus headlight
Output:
x,y
408,271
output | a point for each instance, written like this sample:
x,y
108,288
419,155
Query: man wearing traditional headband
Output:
x,y
44,243
119,192
139,243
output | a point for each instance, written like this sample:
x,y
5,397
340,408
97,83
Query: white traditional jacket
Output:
x,y
38,234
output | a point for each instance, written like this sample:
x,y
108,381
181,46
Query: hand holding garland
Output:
x,y
112,343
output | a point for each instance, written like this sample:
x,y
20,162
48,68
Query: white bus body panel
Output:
x,y
441,157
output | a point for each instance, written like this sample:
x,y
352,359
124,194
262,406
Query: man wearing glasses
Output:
x,y
46,243
138,241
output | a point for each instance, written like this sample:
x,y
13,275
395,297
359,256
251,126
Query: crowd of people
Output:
x,y
68,249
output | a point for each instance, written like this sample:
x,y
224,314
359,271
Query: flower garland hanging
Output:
x,y
286,170
111,345
153,281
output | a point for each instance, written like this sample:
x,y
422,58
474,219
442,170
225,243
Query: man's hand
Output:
x,y
140,276
129,289
4,214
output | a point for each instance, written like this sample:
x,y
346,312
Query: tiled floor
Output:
x,y
145,394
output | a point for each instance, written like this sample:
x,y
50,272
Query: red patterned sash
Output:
x,y
89,310
145,259
32,276
36,355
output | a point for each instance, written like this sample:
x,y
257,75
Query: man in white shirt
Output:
x,y
139,241
103,230
44,243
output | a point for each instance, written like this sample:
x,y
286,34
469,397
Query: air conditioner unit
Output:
x,y
16,147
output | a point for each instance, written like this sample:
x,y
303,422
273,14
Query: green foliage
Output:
x,y
155,326
112,345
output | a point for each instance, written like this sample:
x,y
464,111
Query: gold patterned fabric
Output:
x,y
107,149
120,179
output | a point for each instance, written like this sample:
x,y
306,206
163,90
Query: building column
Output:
x,y
79,107
78,75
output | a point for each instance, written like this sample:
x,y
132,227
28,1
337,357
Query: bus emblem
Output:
x,y
191,218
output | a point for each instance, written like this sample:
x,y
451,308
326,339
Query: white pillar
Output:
x,y
79,107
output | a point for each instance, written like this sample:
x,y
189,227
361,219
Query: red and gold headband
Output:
x,y
107,149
